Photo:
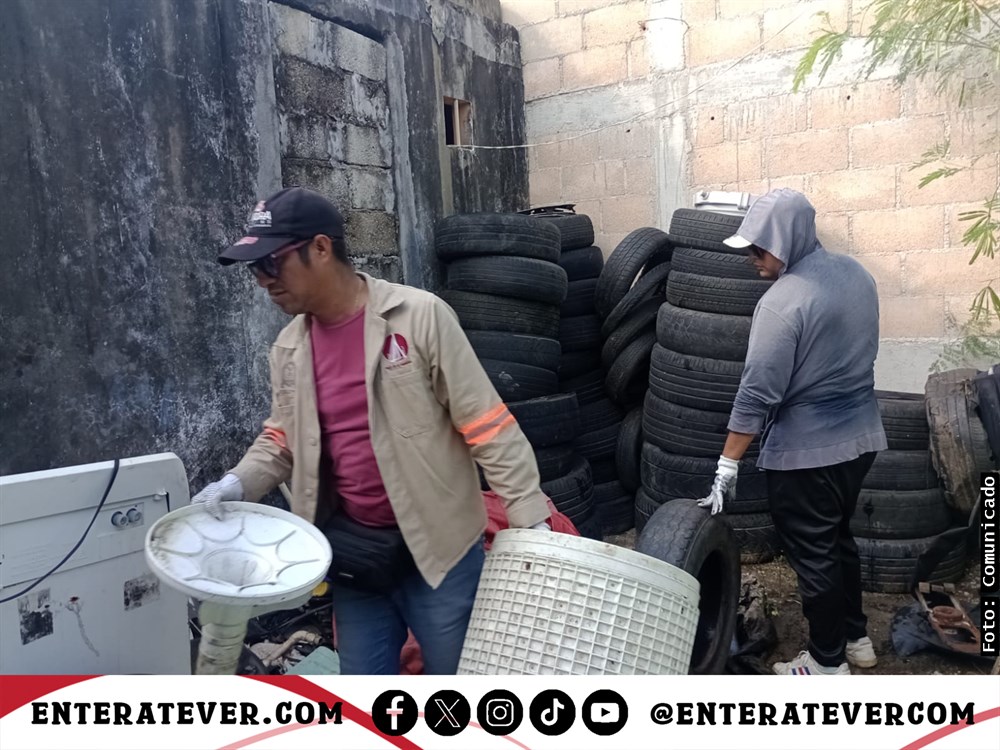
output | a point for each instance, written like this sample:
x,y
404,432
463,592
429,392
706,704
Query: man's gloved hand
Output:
x,y
229,488
541,526
724,486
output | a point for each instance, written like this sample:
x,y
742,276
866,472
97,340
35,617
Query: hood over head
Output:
x,y
783,222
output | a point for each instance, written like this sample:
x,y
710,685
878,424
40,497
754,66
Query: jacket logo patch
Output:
x,y
395,350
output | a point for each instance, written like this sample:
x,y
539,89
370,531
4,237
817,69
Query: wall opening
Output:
x,y
457,122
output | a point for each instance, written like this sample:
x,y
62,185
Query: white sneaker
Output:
x,y
805,664
861,653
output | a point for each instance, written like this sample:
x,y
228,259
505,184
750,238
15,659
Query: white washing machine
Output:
x,y
102,611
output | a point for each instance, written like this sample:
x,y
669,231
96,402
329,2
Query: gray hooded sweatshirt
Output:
x,y
809,379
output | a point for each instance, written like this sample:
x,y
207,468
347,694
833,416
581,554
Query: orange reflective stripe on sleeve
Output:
x,y
277,436
486,427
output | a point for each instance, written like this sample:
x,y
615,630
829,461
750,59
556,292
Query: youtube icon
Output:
x,y
605,712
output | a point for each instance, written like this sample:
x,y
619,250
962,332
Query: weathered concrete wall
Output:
x,y
707,87
134,139
136,136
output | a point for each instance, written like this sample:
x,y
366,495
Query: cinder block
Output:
x,y
735,8
544,156
862,17
371,233
559,36
638,59
698,10
608,241
911,317
371,188
853,189
614,176
887,271
326,44
578,149
357,53
574,7
365,146
369,102
840,106
833,231
754,187
580,182
955,226
921,98
964,187
640,178
932,272
726,39
809,151
542,78
727,162
311,138
974,131
386,267
771,115
600,66
894,141
616,24
632,141
520,13
624,213
307,88
329,181
958,309
793,182
708,126
545,186
898,230
796,25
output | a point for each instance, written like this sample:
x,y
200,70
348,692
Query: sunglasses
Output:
x,y
270,265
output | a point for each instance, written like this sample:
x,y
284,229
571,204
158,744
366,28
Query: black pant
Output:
x,y
812,511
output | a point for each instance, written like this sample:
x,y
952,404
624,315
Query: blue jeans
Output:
x,y
371,628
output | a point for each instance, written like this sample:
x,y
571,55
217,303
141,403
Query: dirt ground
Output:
x,y
779,584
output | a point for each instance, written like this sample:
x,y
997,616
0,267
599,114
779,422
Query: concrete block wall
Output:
x,y
675,96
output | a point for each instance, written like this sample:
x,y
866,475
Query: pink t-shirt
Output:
x,y
339,370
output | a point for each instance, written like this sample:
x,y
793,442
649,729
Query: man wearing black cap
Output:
x,y
380,412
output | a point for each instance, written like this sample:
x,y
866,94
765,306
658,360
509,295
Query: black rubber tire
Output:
x,y
708,263
902,470
687,432
579,334
509,276
548,421
649,286
900,514
605,470
575,364
579,298
585,263
987,398
589,387
614,507
905,423
473,235
711,294
517,382
695,382
600,414
624,265
514,347
629,451
590,527
643,318
555,461
599,445
691,227
573,493
668,476
887,565
688,537
703,334
755,532
575,230
489,312
628,377
645,507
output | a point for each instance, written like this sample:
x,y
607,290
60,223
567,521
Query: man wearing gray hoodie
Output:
x,y
809,387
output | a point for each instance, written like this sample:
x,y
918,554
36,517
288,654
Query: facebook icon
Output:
x,y
394,713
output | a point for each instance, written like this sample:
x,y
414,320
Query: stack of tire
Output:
x,y
506,286
702,331
902,505
626,298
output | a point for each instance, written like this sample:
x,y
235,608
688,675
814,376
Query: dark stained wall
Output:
x,y
134,138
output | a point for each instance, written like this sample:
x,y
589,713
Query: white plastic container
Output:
x,y
557,604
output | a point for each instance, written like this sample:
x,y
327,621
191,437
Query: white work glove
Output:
x,y
724,486
229,488
541,526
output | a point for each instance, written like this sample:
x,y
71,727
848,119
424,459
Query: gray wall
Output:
x,y
134,139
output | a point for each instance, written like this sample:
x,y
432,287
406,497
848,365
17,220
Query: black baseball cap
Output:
x,y
294,213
